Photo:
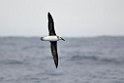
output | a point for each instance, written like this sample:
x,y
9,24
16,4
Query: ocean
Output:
x,y
81,60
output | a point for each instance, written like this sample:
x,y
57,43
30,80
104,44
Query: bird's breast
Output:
x,y
50,38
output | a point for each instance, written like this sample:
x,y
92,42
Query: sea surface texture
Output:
x,y
81,60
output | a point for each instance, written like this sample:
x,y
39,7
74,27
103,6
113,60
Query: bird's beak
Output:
x,y
62,39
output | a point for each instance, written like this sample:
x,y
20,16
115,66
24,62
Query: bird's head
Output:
x,y
60,38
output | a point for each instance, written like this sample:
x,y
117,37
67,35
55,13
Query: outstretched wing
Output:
x,y
51,25
54,53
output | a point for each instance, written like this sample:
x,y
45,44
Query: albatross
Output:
x,y
52,38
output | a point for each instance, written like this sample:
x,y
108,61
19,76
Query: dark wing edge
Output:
x,y
54,52
51,25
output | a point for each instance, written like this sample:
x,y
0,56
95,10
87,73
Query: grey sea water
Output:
x,y
81,60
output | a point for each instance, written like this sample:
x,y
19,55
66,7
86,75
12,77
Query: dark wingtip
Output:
x,y
50,17
49,14
56,65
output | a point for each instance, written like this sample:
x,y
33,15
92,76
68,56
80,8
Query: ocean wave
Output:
x,y
10,62
97,59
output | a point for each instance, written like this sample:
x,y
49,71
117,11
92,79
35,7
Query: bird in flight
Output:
x,y
53,38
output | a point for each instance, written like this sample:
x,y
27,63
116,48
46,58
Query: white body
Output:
x,y
50,38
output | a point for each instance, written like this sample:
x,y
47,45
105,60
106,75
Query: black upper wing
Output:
x,y
54,53
51,25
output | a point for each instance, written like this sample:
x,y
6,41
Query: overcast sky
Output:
x,y
72,18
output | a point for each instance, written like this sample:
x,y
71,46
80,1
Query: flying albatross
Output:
x,y
53,38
